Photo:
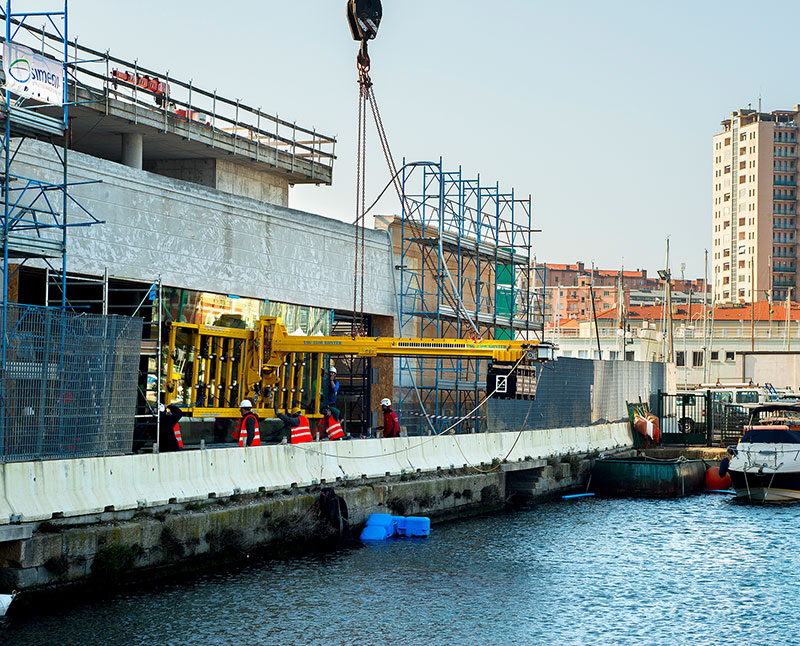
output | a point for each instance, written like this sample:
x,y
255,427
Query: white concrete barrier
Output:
x,y
38,490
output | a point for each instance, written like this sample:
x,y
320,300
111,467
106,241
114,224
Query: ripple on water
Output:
x,y
590,571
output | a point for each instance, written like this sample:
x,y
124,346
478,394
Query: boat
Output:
x,y
648,477
5,602
765,464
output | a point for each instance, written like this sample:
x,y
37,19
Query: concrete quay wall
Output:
x,y
88,519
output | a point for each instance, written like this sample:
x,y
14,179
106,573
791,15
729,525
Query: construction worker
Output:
x,y
329,425
298,426
333,389
391,425
247,430
169,437
333,386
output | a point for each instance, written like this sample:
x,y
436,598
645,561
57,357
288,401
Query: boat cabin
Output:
x,y
771,423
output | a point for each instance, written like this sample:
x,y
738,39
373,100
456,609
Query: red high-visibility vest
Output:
x,y
302,432
334,429
177,431
241,432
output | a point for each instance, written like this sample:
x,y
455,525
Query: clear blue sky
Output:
x,y
603,112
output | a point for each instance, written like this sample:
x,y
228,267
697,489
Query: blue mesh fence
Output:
x,y
69,384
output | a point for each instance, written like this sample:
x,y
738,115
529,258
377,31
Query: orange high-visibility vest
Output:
x,y
241,432
177,431
302,432
334,429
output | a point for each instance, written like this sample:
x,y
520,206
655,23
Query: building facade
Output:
x,y
570,288
709,343
755,206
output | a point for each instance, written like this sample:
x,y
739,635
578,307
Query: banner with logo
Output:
x,y
32,75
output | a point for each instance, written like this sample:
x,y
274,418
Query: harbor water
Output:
x,y
698,570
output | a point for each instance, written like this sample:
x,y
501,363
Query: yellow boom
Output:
x,y
217,367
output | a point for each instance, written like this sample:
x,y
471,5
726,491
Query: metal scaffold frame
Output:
x,y
466,269
35,211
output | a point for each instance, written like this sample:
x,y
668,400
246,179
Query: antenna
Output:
x,y
759,101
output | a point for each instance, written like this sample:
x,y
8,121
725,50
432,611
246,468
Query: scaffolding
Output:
x,y
35,209
466,269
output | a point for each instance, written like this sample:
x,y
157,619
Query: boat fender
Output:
x,y
334,508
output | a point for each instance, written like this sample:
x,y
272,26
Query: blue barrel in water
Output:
x,y
417,526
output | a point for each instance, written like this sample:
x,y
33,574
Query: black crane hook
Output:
x,y
364,17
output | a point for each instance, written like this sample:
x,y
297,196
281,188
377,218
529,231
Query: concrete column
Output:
x,y
132,149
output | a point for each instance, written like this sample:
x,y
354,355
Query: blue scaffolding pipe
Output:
x,y
487,231
31,210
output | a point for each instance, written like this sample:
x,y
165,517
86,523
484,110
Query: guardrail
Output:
x,y
106,77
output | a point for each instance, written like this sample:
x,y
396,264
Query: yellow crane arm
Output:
x,y
210,369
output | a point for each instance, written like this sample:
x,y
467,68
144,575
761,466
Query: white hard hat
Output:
x,y
386,402
246,403
333,369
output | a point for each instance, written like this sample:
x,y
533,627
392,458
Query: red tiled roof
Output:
x,y
760,310
553,267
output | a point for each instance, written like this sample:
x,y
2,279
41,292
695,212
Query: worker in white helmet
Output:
x,y
333,389
391,425
247,430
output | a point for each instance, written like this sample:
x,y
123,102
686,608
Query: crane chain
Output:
x,y
367,95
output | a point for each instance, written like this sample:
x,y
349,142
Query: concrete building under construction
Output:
x,y
189,191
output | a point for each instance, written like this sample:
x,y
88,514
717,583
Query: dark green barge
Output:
x,y
647,477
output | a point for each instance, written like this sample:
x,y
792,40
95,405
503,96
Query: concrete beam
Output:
x,y
15,532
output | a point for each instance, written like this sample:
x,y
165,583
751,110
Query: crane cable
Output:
x,y
357,324
367,95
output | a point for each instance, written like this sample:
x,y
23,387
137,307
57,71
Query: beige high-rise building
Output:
x,y
755,206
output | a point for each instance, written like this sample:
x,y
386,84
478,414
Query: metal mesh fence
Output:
x,y
68,384
580,392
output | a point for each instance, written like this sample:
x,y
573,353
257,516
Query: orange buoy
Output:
x,y
714,482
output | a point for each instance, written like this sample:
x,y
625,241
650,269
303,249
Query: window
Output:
x,y
697,359
629,355
715,355
680,359
583,354
730,356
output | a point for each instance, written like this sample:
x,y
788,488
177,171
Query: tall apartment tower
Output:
x,y
755,206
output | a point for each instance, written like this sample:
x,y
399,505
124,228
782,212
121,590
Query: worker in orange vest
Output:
x,y
247,430
329,425
169,438
298,425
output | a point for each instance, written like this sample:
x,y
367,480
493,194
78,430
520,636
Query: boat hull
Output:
x,y
764,487
645,478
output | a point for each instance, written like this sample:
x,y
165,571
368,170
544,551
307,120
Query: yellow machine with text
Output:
x,y
210,369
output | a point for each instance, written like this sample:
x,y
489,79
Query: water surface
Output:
x,y
698,570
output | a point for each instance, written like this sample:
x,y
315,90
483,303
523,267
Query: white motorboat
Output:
x,y
766,463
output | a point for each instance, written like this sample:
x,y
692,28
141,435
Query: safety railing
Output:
x,y
98,77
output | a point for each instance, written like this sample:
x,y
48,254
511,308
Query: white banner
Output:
x,y
32,75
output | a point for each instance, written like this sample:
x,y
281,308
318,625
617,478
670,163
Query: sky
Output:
x,y
603,112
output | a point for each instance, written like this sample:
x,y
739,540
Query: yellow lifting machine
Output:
x,y
210,369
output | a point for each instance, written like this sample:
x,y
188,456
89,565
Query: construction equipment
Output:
x,y
364,17
211,368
